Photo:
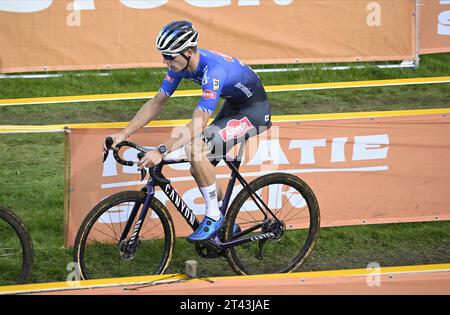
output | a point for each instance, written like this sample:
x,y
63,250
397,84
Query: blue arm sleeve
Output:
x,y
170,83
212,87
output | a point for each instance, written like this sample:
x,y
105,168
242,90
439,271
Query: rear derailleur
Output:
x,y
275,227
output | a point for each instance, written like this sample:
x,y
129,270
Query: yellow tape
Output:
x,y
186,93
281,118
58,286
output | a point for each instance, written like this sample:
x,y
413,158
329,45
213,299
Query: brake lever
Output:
x,y
140,155
152,172
109,142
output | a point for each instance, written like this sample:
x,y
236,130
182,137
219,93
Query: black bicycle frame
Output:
x,y
188,214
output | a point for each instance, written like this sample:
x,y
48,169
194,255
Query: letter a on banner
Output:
x,y
374,17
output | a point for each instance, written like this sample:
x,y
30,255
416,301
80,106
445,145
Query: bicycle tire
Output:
x,y
248,265
102,208
25,241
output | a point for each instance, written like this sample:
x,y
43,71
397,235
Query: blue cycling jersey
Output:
x,y
220,76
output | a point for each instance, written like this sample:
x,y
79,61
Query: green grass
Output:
x,y
283,103
32,165
139,80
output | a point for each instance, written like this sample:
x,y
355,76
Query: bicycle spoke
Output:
x,y
148,231
286,250
111,237
293,208
102,256
288,199
298,218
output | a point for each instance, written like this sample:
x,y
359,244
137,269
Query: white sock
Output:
x,y
212,207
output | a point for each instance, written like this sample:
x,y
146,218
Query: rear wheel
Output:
x,y
295,232
99,251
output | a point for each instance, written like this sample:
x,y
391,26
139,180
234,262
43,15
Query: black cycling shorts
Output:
x,y
233,124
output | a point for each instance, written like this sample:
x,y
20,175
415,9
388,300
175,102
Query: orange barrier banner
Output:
x,y
434,26
48,35
362,170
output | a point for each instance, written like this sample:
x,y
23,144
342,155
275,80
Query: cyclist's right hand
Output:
x,y
117,137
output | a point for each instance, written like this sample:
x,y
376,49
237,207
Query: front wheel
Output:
x,y
99,250
16,249
295,227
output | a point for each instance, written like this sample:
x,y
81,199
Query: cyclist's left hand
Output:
x,y
150,159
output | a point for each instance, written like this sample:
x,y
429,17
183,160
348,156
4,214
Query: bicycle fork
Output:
x,y
128,248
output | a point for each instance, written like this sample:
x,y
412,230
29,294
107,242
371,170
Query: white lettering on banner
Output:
x,y
248,2
283,2
364,148
143,4
307,149
79,5
374,17
24,6
74,17
269,150
109,166
338,149
209,3
31,6
444,23
368,147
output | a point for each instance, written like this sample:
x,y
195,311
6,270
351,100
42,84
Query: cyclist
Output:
x,y
245,113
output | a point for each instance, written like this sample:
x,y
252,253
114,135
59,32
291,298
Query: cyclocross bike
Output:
x,y
16,249
271,225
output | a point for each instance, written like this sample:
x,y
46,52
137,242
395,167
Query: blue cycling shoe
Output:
x,y
207,228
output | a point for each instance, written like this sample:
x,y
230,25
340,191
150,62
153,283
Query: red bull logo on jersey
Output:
x,y
235,129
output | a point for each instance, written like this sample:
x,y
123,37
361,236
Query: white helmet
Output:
x,y
176,37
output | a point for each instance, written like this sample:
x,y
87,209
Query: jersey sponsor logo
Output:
x,y
208,95
205,76
164,91
235,129
216,83
168,78
244,89
204,109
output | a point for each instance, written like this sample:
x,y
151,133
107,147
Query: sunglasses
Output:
x,y
169,57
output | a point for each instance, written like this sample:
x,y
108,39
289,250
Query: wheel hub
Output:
x,y
128,251
274,226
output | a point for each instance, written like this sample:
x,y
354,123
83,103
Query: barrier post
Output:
x,y
66,182
417,16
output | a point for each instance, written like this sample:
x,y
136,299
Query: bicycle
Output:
x,y
16,249
256,236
